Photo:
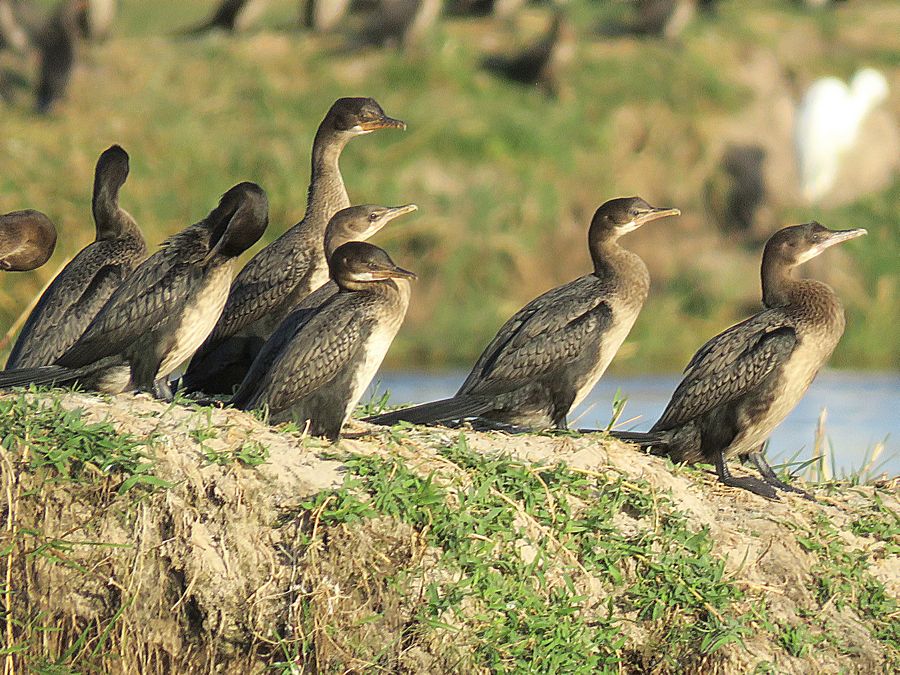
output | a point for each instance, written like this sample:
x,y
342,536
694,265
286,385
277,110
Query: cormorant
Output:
x,y
86,283
323,368
27,240
56,43
548,357
401,23
357,223
227,16
165,309
543,62
277,278
742,383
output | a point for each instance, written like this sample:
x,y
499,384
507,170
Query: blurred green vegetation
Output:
x,y
506,179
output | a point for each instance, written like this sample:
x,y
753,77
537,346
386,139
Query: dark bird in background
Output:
x,y
356,223
660,18
282,274
27,240
227,17
542,63
78,292
741,384
57,42
325,365
497,8
401,23
737,191
548,357
165,309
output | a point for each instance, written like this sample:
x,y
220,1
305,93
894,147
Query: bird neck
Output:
x,y
613,263
779,287
813,299
327,194
110,220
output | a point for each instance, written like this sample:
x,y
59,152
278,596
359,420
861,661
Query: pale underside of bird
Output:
x,y
828,124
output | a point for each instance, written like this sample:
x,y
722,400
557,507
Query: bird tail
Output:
x,y
445,410
658,440
20,377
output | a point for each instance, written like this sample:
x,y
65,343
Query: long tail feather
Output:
x,y
657,439
445,410
21,377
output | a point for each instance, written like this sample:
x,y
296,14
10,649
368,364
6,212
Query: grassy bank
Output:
x,y
503,175
139,537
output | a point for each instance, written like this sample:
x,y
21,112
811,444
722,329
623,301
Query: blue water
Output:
x,y
863,409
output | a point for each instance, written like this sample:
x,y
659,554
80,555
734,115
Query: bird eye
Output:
x,y
633,213
373,217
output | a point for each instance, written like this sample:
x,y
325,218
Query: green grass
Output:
x,y
506,179
527,614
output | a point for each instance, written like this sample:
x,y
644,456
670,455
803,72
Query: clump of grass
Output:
x,y
59,442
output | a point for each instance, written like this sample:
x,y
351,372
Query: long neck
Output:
x,y
621,270
778,285
327,194
107,214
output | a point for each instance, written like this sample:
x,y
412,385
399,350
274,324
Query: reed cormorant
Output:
x,y
323,368
27,240
56,43
356,223
548,357
741,384
165,309
86,283
277,278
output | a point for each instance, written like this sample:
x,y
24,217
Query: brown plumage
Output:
x,y
27,240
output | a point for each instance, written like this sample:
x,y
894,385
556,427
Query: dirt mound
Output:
x,y
147,538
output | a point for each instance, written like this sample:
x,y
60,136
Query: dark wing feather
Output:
x,y
263,284
275,345
327,343
63,313
542,337
155,293
729,366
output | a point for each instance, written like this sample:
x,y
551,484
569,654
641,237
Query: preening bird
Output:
x,y
827,124
742,383
551,353
86,283
165,309
323,367
27,240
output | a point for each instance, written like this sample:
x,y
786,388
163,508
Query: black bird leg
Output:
x,y
754,485
769,476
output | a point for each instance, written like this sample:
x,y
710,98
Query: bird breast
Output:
x,y
199,317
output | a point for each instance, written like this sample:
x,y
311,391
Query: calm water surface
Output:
x,y
863,409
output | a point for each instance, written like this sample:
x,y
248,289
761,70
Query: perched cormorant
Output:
x,y
86,283
277,278
57,42
27,240
543,62
324,367
357,223
741,384
548,357
165,309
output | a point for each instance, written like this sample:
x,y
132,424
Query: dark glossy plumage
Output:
x,y
86,283
547,357
741,384
277,278
27,240
323,362
166,307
